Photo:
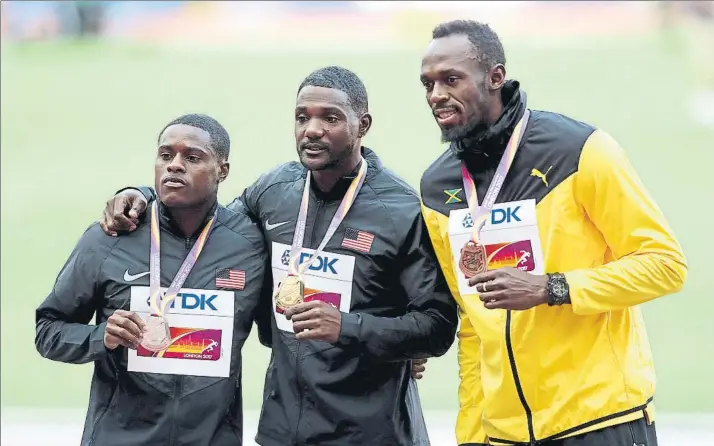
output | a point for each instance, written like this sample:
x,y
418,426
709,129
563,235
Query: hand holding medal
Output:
x,y
158,336
313,320
507,288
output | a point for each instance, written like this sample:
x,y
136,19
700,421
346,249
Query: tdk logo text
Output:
x,y
498,216
189,301
322,263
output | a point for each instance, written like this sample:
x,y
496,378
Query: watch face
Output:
x,y
559,289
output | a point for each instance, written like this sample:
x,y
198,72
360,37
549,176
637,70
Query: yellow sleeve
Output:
x,y
469,427
648,260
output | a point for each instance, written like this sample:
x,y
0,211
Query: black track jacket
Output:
x,y
379,268
102,275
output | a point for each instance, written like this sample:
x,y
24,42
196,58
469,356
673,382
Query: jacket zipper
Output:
x,y
300,382
519,388
178,380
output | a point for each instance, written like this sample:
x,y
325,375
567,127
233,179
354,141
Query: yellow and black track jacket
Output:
x,y
571,203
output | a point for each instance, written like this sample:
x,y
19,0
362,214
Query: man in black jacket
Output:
x,y
167,369
348,234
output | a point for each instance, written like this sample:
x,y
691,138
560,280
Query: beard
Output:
x,y
476,122
458,132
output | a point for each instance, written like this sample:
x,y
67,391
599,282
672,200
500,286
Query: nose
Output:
x,y
176,165
438,94
314,129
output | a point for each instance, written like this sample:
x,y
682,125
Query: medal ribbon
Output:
x,y
299,235
479,214
159,308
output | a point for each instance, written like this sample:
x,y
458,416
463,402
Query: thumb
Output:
x,y
137,208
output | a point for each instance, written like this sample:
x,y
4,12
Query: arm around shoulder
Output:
x,y
429,326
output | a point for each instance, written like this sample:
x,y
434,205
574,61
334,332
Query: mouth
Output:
x,y
446,116
314,149
174,182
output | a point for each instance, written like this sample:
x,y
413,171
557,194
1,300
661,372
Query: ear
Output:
x,y
496,77
365,123
223,169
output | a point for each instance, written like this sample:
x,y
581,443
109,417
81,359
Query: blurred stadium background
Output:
x,y
87,85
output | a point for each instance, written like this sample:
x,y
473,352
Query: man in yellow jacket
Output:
x,y
549,242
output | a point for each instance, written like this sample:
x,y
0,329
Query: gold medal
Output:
x,y
158,336
291,292
473,259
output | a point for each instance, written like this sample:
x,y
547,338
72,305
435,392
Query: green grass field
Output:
x,y
79,121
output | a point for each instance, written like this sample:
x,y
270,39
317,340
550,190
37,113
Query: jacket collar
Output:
x,y
374,165
483,147
167,222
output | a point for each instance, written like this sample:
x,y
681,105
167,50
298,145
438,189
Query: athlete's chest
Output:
x,y
360,231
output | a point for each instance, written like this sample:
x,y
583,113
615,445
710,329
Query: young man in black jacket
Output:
x,y
357,289
167,362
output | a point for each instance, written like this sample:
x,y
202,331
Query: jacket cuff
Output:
x,y
350,328
97,349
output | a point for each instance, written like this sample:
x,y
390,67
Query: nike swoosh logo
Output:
x,y
270,227
132,277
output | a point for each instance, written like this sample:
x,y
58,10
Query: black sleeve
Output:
x,y
148,192
264,312
429,326
61,321
247,203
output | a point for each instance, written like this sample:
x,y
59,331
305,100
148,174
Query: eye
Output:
x,y
165,156
428,85
193,159
452,79
301,119
331,119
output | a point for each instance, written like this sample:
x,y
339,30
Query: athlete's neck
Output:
x,y
495,110
326,179
190,219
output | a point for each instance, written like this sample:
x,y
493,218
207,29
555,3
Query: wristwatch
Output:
x,y
558,290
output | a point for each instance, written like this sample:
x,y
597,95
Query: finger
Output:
x,y
120,221
117,340
137,208
122,333
315,335
494,295
484,277
138,321
301,308
504,304
131,326
306,325
417,375
122,319
419,361
314,313
103,223
418,368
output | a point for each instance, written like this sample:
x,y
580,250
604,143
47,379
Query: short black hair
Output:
x,y
220,141
489,49
341,79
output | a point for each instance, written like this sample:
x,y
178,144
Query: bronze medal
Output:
x,y
157,337
473,259
291,292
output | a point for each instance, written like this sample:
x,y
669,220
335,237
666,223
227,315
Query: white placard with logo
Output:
x,y
201,324
510,235
328,279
